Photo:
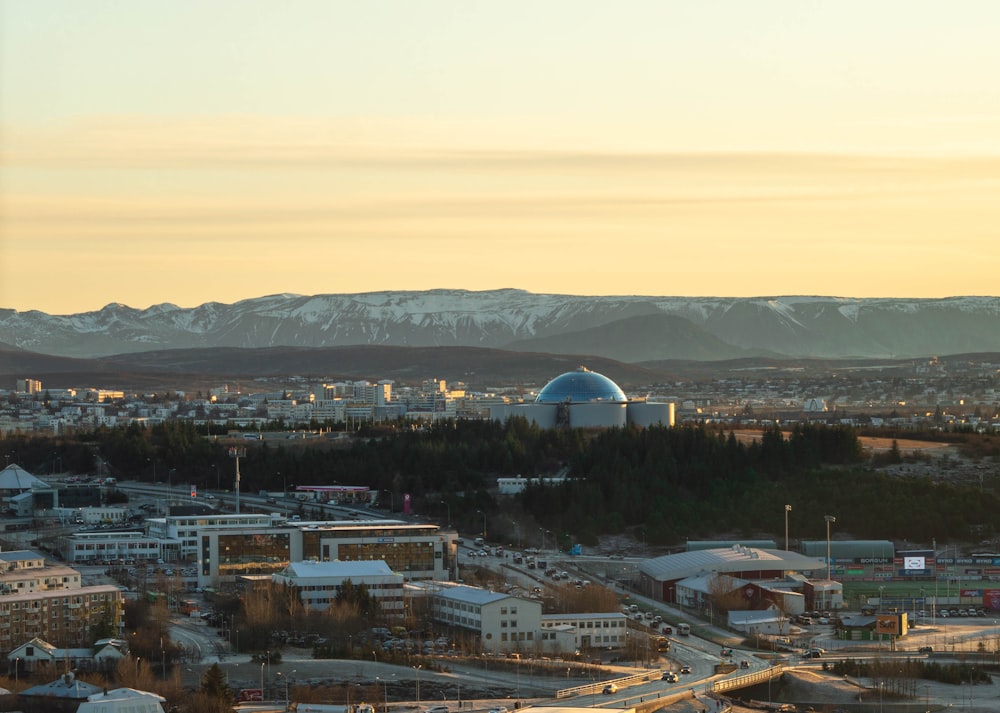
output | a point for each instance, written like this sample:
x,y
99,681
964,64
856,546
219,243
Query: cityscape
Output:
x,y
480,357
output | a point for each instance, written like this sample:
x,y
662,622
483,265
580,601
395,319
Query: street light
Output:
x,y
449,513
417,669
829,519
484,522
385,687
261,681
788,509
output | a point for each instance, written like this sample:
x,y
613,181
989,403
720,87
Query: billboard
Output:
x,y
914,563
887,624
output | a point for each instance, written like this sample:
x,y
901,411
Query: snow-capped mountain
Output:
x,y
627,328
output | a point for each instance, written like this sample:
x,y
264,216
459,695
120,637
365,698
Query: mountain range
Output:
x,y
630,329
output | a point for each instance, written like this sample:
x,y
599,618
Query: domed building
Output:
x,y
586,399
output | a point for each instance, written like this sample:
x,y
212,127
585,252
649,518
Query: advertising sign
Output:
x,y
887,624
914,563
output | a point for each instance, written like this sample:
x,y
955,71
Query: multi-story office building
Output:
x,y
50,603
504,622
318,583
417,551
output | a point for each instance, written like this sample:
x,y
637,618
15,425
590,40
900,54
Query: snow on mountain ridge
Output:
x,y
794,325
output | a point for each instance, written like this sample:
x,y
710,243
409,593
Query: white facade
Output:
x,y
319,582
505,623
597,630
107,547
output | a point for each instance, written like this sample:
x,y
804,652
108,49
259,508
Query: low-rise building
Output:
x,y
318,583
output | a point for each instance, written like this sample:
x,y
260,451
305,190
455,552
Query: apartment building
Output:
x,y
50,603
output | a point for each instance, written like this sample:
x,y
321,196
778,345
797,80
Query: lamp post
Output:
x,y
543,531
385,688
517,532
449,513
484,522
417,669
170,479
788,509
262,681
17,670
829,519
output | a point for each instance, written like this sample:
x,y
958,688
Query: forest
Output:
x,y
658,485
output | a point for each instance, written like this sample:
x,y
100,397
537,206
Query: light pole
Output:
x,y
543,531
449,513
170,480
829,519
218,478
17,670
484,522
788,509
517,532
385,688
417,669
262,681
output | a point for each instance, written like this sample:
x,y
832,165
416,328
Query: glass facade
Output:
x,y
400,556
261,553
581,386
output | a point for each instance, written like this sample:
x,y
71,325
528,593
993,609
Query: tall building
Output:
x,y
51,603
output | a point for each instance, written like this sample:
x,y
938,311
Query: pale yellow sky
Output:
x,y
188,152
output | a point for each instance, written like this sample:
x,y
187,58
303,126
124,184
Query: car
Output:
x,y
436,709
685,669
499,709
925,650
670,677
609,689
943,613
812,654
744,664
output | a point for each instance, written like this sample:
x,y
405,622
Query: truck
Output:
x,y
480,542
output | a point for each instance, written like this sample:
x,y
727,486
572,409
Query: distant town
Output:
x,y
929,393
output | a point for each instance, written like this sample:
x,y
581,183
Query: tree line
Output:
x,y
658,484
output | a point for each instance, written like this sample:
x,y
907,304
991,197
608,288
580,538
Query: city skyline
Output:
x,y
188,152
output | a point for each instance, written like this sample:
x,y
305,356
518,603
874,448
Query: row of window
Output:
x,y
518,636
37,603
615,624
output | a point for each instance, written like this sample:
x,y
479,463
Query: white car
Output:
x,y
500,709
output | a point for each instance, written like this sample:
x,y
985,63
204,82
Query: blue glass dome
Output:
x,y
580,386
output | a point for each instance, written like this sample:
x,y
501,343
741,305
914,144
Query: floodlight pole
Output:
x,y
788,509
829,519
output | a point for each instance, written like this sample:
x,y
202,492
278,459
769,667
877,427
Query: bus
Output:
x,y
188,606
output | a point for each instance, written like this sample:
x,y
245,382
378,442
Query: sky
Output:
x,y
189,151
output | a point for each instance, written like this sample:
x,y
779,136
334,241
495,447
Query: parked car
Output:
x,y
609,689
